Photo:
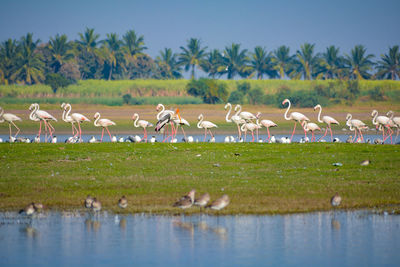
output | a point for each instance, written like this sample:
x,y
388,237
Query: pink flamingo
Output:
x,y
266,124
75,117
41,115
382,122
68,119
10,118
141,123
206,125
234,118
355,125
296,116
103,123
394,122
311,127
327,120
250,126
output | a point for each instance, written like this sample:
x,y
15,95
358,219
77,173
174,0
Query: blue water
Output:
x,y
353,238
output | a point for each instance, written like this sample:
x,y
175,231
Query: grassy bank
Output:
x,y
259,178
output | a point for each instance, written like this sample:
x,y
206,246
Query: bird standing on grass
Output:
x,y
202,200
220,203
96,205
336,200
186,201
123,202
88,202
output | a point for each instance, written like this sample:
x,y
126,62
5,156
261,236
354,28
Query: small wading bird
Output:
x,y
327,120
104,123
186,201
96,205
336,200
41,115
88,202
123,202
382,122
10,118
267,124
234,118
202,200
30,209
296,116
311,127
220,203
355,125
206,125
141,123
75,117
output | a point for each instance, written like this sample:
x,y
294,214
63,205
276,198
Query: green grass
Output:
x,y
264,178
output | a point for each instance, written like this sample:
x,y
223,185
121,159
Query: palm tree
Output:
x,y
213,63
331,63
192,56
308,61
236,61
262,63
111,49
30,67
358,63
283,60
389,66
60,51
8,58
168,64
133,44
88,40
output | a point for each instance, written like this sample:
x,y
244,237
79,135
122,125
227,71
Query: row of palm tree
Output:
x,y
29,61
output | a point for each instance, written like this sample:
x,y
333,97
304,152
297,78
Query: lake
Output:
x,y
344,238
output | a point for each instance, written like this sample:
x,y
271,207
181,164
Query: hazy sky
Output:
x,y
170,23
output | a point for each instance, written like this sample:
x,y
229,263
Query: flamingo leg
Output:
x,y
145,134
102,133
205,134
9,126
294,129
269,136
252,134
239,132
362,137
245,135
326,131
40,129
184,134
257,134
80,132
330,129
109,133
212,136
397,134
45,129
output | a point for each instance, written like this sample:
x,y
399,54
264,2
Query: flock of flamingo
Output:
x,y
244,120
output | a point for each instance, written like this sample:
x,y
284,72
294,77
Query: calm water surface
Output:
x,y
358,238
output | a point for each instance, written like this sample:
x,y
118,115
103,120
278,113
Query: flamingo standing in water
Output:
x,y
382,122
250,126
394,122
206,125
234,118
266,124
247,116
311,127
355,125
75,117
141,123
41,115
162,116
10,118
68,119
327,120
103,123
296,116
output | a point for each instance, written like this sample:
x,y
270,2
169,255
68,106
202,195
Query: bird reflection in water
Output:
x,y
335,224
92,225
220,231
187,226
30,231
122,224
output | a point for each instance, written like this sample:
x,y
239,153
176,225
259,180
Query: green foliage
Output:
x,y
376,94
211,91
126,98
243,87
255,96
236,97
55,81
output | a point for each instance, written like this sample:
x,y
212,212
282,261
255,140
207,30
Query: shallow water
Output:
x,y
353,238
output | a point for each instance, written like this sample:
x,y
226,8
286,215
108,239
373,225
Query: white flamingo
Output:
x,y
75,117
247,116
250,126
234,118
206,125
41,115
311,127
394,122
141,123
68,119
296,116
355,125
10,118
327,120
381,122
162,114
104,123
266,123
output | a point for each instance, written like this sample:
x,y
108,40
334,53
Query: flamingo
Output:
x,y
141,123
163,113
10,118
250,126
167,117
75,117
68,119
206,125
381,122
247,116
311,127
234,118
41,115
179,121
103,123
394,122
327,120
266,124
355,125
296,116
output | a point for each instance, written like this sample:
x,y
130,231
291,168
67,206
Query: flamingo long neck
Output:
x,y
200,121
287,110
135,122
162,110
1,114
97,119
375,114
390,114
319,114
348,121
239,107
243,127
68,110
33,112
229,112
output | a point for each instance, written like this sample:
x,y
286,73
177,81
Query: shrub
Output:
x,y
376,94
236,97
211,91
255,96
126,98
243,87
55,81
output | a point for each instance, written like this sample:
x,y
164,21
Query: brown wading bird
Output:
x,y
123,202
202,200
28,210
88,202
220,203
96,205
335,200
186,201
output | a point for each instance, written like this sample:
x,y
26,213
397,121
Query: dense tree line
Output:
x,y
60,61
